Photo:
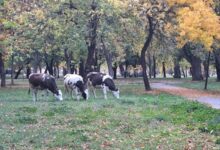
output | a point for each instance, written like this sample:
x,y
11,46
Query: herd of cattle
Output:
x,y
73,82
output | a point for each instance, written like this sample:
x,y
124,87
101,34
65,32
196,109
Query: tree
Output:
x,y
197,22
154,14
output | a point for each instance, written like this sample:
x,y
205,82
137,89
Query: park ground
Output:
x,y
160,119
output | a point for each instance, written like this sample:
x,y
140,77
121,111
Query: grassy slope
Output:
x,y
137,120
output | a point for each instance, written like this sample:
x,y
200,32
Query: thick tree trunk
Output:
x,y
194,61
49,64
196,70
114,68
217,63
91,38
108,57
164,70
36,61
143,52
154,66
68,57
177,72
2,71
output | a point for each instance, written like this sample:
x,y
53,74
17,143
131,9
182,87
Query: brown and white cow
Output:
x,y
38,81
105,81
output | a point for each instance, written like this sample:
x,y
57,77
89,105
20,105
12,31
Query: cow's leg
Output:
x,y
46,94
66,88
104,88
77,94
34,95
71,92
93,91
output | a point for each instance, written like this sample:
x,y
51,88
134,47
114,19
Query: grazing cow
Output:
x,y
75,82
38,81
103,80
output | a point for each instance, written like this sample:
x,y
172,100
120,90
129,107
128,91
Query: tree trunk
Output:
x,y
91,38
108,57
54,71
217,63
58,71
81,68
40,68
154,66
36,61
194,61
122,69
68,60
177,72
12,69
64,71
49,64
205,66
2,71
143,51
149,65
18,72
164,69
183,72
126,69
109,63
28,71
207,71
196,70
114,68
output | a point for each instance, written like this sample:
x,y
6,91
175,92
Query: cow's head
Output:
x,y
52,86
116,93
85,94
59,96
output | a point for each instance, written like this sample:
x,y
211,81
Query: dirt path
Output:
x,y
212,100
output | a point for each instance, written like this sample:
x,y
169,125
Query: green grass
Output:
x,y
136,121
213,86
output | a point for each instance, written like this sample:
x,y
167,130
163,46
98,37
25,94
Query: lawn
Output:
x,y
138,120
213,86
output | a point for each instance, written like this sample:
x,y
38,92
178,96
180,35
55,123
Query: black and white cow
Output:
x,y
75,82
38,81
105,81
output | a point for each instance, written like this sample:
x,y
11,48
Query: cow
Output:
x,y
38,81
105,81
75,82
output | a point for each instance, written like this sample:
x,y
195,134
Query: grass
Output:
x,y
213,86
136,121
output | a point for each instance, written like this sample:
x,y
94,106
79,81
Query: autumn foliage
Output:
x,y
197,21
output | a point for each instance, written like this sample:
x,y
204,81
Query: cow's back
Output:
x,y
95,78
35,79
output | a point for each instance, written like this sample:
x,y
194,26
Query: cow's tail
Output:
x,y
29,90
